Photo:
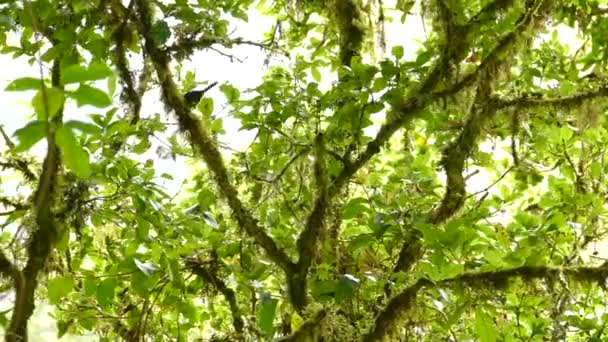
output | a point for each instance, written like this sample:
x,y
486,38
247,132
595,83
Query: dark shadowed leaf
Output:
x,y
268,306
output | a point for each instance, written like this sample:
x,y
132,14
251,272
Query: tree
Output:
x,y
318,230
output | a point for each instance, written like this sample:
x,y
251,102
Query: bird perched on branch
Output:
x,y
193,97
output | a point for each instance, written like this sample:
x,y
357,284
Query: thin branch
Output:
x,y
9,142
19,165
496,181
45,235
210,275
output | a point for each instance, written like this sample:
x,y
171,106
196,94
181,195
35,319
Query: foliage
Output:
x,y
357,210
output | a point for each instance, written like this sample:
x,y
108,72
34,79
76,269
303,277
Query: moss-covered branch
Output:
x,y
489,13
122,37
351,28
455,155
530,101
203,142
411,251
46,233
406,299
306,332
311,235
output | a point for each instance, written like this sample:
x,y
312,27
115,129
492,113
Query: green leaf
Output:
x,y
98,71
485,328
74,156
354,207
268,306
73,74
112,80
30,134
82,126
47,101
77,73
90,286
141,283
345,288
423,58
86,319
87,95
316,74
24,83
205,106
105,291
59,287
188,310
160,32
232,93
397,52
206,198
62,328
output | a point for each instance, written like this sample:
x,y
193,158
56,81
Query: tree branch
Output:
x,y
483,109
210,275
306,331
530,101
44,237
313,231
405,300
203,142
186,46
19,165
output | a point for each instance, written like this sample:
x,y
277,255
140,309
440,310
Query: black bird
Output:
x,y
193,97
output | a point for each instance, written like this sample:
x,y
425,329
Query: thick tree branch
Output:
x,y
411,252
456,153
120,36
530,101
44,237
459,150
405,301
203,142
311,235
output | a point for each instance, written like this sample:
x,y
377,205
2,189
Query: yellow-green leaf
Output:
x,y
59,287
87,95
74,156
30,134
47,102
24,83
